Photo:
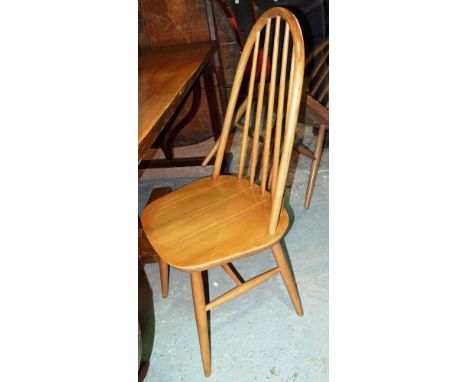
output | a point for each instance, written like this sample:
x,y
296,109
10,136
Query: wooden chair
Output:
x,y
316,111
217,220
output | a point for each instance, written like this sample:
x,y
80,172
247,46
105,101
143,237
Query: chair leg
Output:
x,y
164,275
288,277
315,165
198,293
227,268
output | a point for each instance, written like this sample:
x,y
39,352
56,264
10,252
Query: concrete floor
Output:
x,y
257,336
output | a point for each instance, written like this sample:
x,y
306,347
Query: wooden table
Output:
x,y
165,77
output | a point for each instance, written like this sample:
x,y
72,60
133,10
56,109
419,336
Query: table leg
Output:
x,y
216,117
213,106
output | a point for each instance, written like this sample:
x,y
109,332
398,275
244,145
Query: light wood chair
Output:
x,y
217,220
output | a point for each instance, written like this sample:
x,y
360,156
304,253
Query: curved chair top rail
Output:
x,y
275,24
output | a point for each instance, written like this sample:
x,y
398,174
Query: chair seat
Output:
x,y
211,222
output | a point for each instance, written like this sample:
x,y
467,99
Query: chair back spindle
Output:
x,y
245,133
271,104
258,114
280,111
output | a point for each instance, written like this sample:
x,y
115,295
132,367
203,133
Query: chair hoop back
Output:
x,y
292,57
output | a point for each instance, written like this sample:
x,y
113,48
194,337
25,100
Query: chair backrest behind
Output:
x,y
318,78
268,28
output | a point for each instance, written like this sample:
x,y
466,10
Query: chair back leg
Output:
x,y
164,275
314,166
288,277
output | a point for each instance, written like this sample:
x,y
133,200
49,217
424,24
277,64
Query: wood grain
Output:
x,y
173,22
211,222
165,76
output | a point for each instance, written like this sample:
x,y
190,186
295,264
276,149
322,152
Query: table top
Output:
x,y
165,75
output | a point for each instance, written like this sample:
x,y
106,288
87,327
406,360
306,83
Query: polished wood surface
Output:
x,y
210,222
217,220
165,75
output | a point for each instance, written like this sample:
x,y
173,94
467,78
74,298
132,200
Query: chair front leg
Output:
x,y
288,277
198,294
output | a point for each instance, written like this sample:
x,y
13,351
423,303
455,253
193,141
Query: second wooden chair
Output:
x,y
217,220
